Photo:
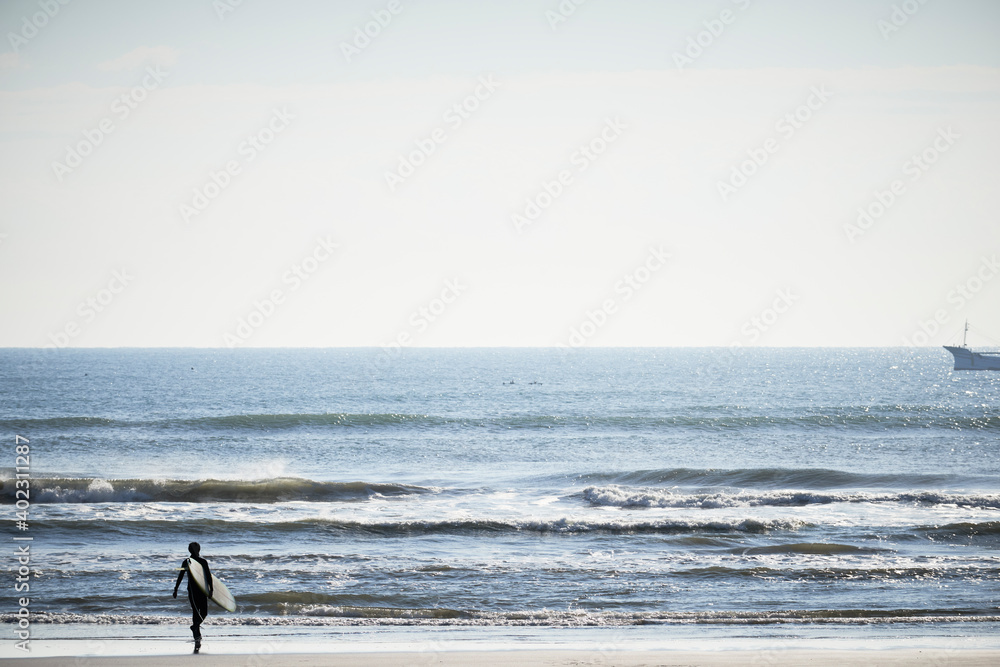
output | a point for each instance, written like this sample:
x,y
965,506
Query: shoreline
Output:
x,y
629,647
529,657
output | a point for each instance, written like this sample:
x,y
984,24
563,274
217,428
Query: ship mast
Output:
x,y
966,334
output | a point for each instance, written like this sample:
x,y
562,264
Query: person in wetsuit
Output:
x,y
196,596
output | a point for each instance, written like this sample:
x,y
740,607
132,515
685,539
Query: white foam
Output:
x,y
619,496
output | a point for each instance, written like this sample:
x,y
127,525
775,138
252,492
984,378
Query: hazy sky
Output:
x,y
492,173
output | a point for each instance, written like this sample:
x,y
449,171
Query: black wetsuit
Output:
x,y
196,596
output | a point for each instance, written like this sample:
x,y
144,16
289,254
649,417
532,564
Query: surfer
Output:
x,y
196,596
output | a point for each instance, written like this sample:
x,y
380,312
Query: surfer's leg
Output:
x,y
197,615
196,628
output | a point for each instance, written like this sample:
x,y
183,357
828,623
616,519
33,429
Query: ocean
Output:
x,y
780,492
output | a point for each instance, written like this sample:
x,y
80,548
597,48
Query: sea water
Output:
x,y
332,490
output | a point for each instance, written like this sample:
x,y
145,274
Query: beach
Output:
x,y
565,658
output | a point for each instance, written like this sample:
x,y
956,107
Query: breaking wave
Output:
x,y
285,489
780,479
617,496
426,527
332,615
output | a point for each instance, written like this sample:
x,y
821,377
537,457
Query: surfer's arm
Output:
x,y
180,576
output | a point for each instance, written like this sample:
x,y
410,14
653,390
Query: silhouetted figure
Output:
x,y
196,596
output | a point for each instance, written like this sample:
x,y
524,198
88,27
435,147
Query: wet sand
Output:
x,y
562,658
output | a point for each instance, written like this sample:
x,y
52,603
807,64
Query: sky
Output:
x,y
227,173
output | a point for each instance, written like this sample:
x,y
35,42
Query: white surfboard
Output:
x,y
220,594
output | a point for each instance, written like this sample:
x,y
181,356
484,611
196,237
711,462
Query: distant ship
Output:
x,y
967,360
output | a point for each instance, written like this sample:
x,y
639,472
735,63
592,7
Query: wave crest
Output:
x,y
283,489
618,496
354,616
408,528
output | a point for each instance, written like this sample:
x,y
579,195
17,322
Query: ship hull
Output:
x,y
967,360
